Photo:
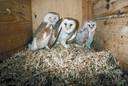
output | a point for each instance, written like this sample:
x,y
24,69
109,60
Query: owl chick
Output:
x,y
68,28
85,34
45,33
51,18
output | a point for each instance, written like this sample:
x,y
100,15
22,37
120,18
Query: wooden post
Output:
x,y
87,7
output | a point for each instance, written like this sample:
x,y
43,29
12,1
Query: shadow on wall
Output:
x,y
98,44
112,34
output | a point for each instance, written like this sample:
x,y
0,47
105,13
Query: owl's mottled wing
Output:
x,y
39,29
57,24
82,36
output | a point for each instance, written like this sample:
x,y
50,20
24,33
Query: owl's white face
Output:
x,y
91,25
68,24
51,18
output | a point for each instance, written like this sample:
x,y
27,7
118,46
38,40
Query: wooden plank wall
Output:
x,y
112,34
66,8
115,6
87,10
15,25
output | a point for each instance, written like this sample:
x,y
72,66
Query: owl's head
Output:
x,y
90,25
69,23
51,18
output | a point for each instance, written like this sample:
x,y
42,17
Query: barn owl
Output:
x,y
51,18
44,36
85,34
68,28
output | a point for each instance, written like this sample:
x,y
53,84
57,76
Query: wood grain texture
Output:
x,y
15,25
87,10
66,8
112,34
115,6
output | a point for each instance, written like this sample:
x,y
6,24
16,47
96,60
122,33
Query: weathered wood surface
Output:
x,y
115,6
87,10
66,8
15,25
112,32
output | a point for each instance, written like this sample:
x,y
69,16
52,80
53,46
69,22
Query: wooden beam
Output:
x,y
87,8
115,6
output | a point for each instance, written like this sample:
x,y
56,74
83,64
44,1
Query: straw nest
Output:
x,y
61,67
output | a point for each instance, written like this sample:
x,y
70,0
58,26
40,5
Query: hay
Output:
x,y
61,67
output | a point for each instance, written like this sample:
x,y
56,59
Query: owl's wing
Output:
x,y
73,36
57,24
40,27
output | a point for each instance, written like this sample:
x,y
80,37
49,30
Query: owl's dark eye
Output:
x,y
89,25
93,25
65,24
50,17
71,25
54,18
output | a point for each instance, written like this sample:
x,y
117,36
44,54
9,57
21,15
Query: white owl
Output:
x,y
68,28
51,18
44,36
85,34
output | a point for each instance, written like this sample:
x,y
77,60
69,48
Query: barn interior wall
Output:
x,y
15,25
66,8
111,33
